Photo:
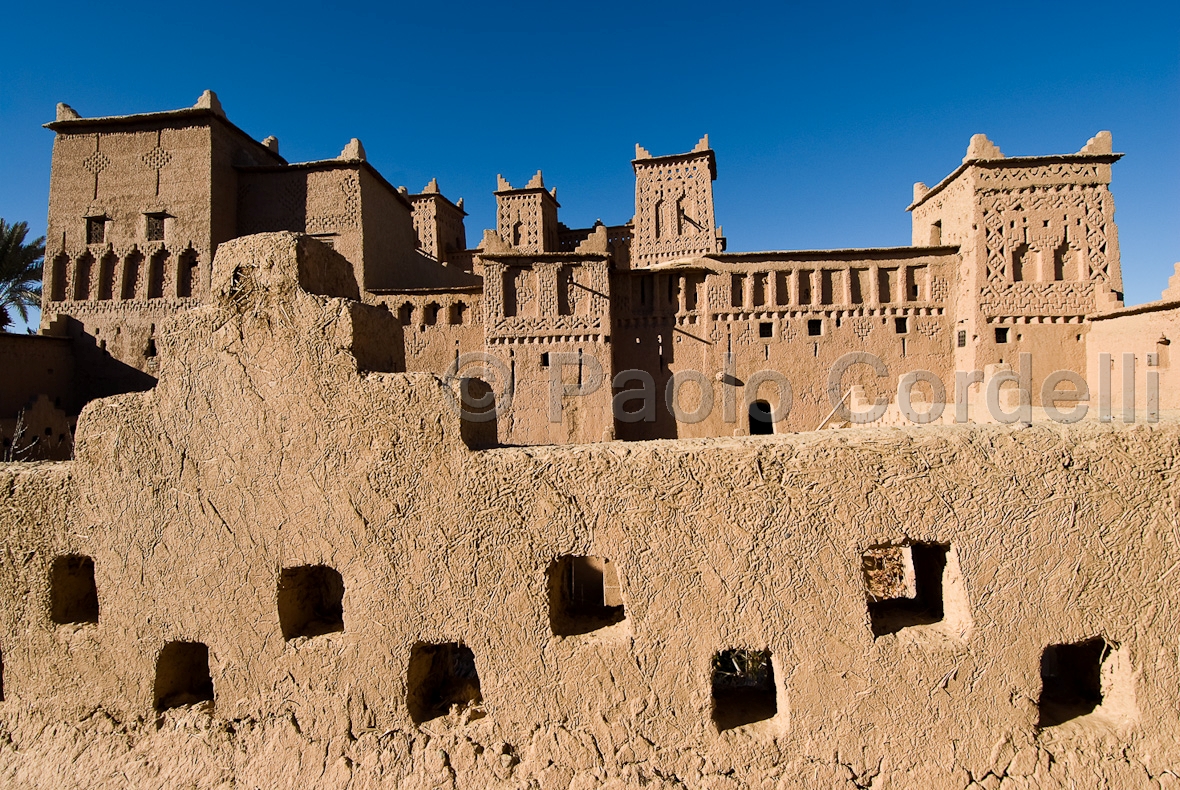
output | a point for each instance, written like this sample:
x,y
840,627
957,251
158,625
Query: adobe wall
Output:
x,y
747,313
263,448
1147,332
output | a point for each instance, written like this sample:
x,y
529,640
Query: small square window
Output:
x,y
962,338
743,688
155,227
1001,334
901,325
815,327
96,230
544,359
904,585
443,681
766,329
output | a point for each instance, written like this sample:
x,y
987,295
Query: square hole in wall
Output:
x,y
442,680
1001,334
815,327
901,325
584,595
72,593
182,675
743,688
311,601
1087,682
913,584
765,329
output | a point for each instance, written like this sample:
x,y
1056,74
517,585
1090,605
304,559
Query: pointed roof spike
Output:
x,y
982,148
431,188
272,143
641,152
65,112
459,203
402,190
502,184
353,151
702,144
209,101
1101,143
553,192
536,182
920,190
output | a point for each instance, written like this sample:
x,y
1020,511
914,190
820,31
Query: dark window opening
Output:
x,y
430,314
544,359
761,419
766,329
186,275
455,316
901,325
584,595
182,675
311,601
743,688
106,277
58,292
150,350
1001,334
442,679
96,230
73,595
962,338
815,327
477,416
131,266
82,271
155,227
405,314
903,585
155,289
1071,680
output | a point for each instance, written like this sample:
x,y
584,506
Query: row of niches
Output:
x,y
133,276
911,588
434,314
854,286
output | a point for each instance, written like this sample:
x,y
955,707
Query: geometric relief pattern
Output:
x,y
1048,298
939,289
930,328
414,343
862,326
350,217
96,162
157,158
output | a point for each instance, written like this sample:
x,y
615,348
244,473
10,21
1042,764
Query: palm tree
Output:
x,y
21,267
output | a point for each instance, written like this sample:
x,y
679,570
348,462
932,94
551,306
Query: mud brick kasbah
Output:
x,y
302,489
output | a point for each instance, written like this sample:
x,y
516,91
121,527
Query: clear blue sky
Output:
x,y
822,114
